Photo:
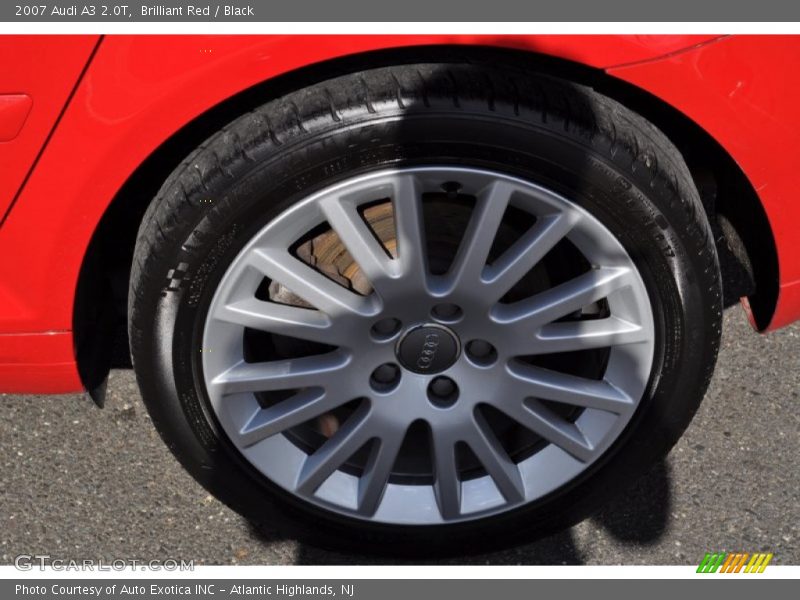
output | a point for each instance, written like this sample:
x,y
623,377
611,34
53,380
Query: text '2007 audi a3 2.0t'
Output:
x,y
397,293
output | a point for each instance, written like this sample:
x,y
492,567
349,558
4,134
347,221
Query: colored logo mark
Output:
x,y
734,562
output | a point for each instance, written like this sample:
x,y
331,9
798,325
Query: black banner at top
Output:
x,y
443,11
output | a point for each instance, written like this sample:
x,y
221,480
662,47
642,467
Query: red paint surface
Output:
x,y
14,109
44,68
40,363
139,90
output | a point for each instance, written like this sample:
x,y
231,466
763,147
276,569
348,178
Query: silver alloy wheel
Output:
x,y
405,293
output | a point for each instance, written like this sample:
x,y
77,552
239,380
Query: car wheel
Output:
x,y
425,309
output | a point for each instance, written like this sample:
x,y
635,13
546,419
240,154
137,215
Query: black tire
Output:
x,y
567,137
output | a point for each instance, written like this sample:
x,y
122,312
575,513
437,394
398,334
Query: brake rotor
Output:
x,y
327,253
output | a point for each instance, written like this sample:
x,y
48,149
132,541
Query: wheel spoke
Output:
x,y
447,486
311,285
363,246
474,248
372,483
542,421
527,251
290,321
280,374
563,299
349,438
505,474
573,336
536,382
410,230
303,406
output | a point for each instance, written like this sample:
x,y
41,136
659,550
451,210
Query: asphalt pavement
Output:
x,y
79,482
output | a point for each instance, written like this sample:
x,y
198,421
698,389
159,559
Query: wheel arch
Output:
x,y
744,238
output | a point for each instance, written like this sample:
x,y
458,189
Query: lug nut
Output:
x,y
442,392
386,373
385,377
446,312
442,387
480,348
481,352
386,328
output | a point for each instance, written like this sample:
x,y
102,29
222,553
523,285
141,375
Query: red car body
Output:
x,y
81,116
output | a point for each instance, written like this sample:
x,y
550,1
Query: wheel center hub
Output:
x,y
428,349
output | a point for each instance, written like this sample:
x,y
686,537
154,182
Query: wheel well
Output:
x,y
742,233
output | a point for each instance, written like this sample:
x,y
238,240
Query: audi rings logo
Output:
x,y
428,351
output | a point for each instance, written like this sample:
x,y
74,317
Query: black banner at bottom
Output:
x,y
367,589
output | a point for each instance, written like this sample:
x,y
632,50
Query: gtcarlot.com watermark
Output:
x,y
42,562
